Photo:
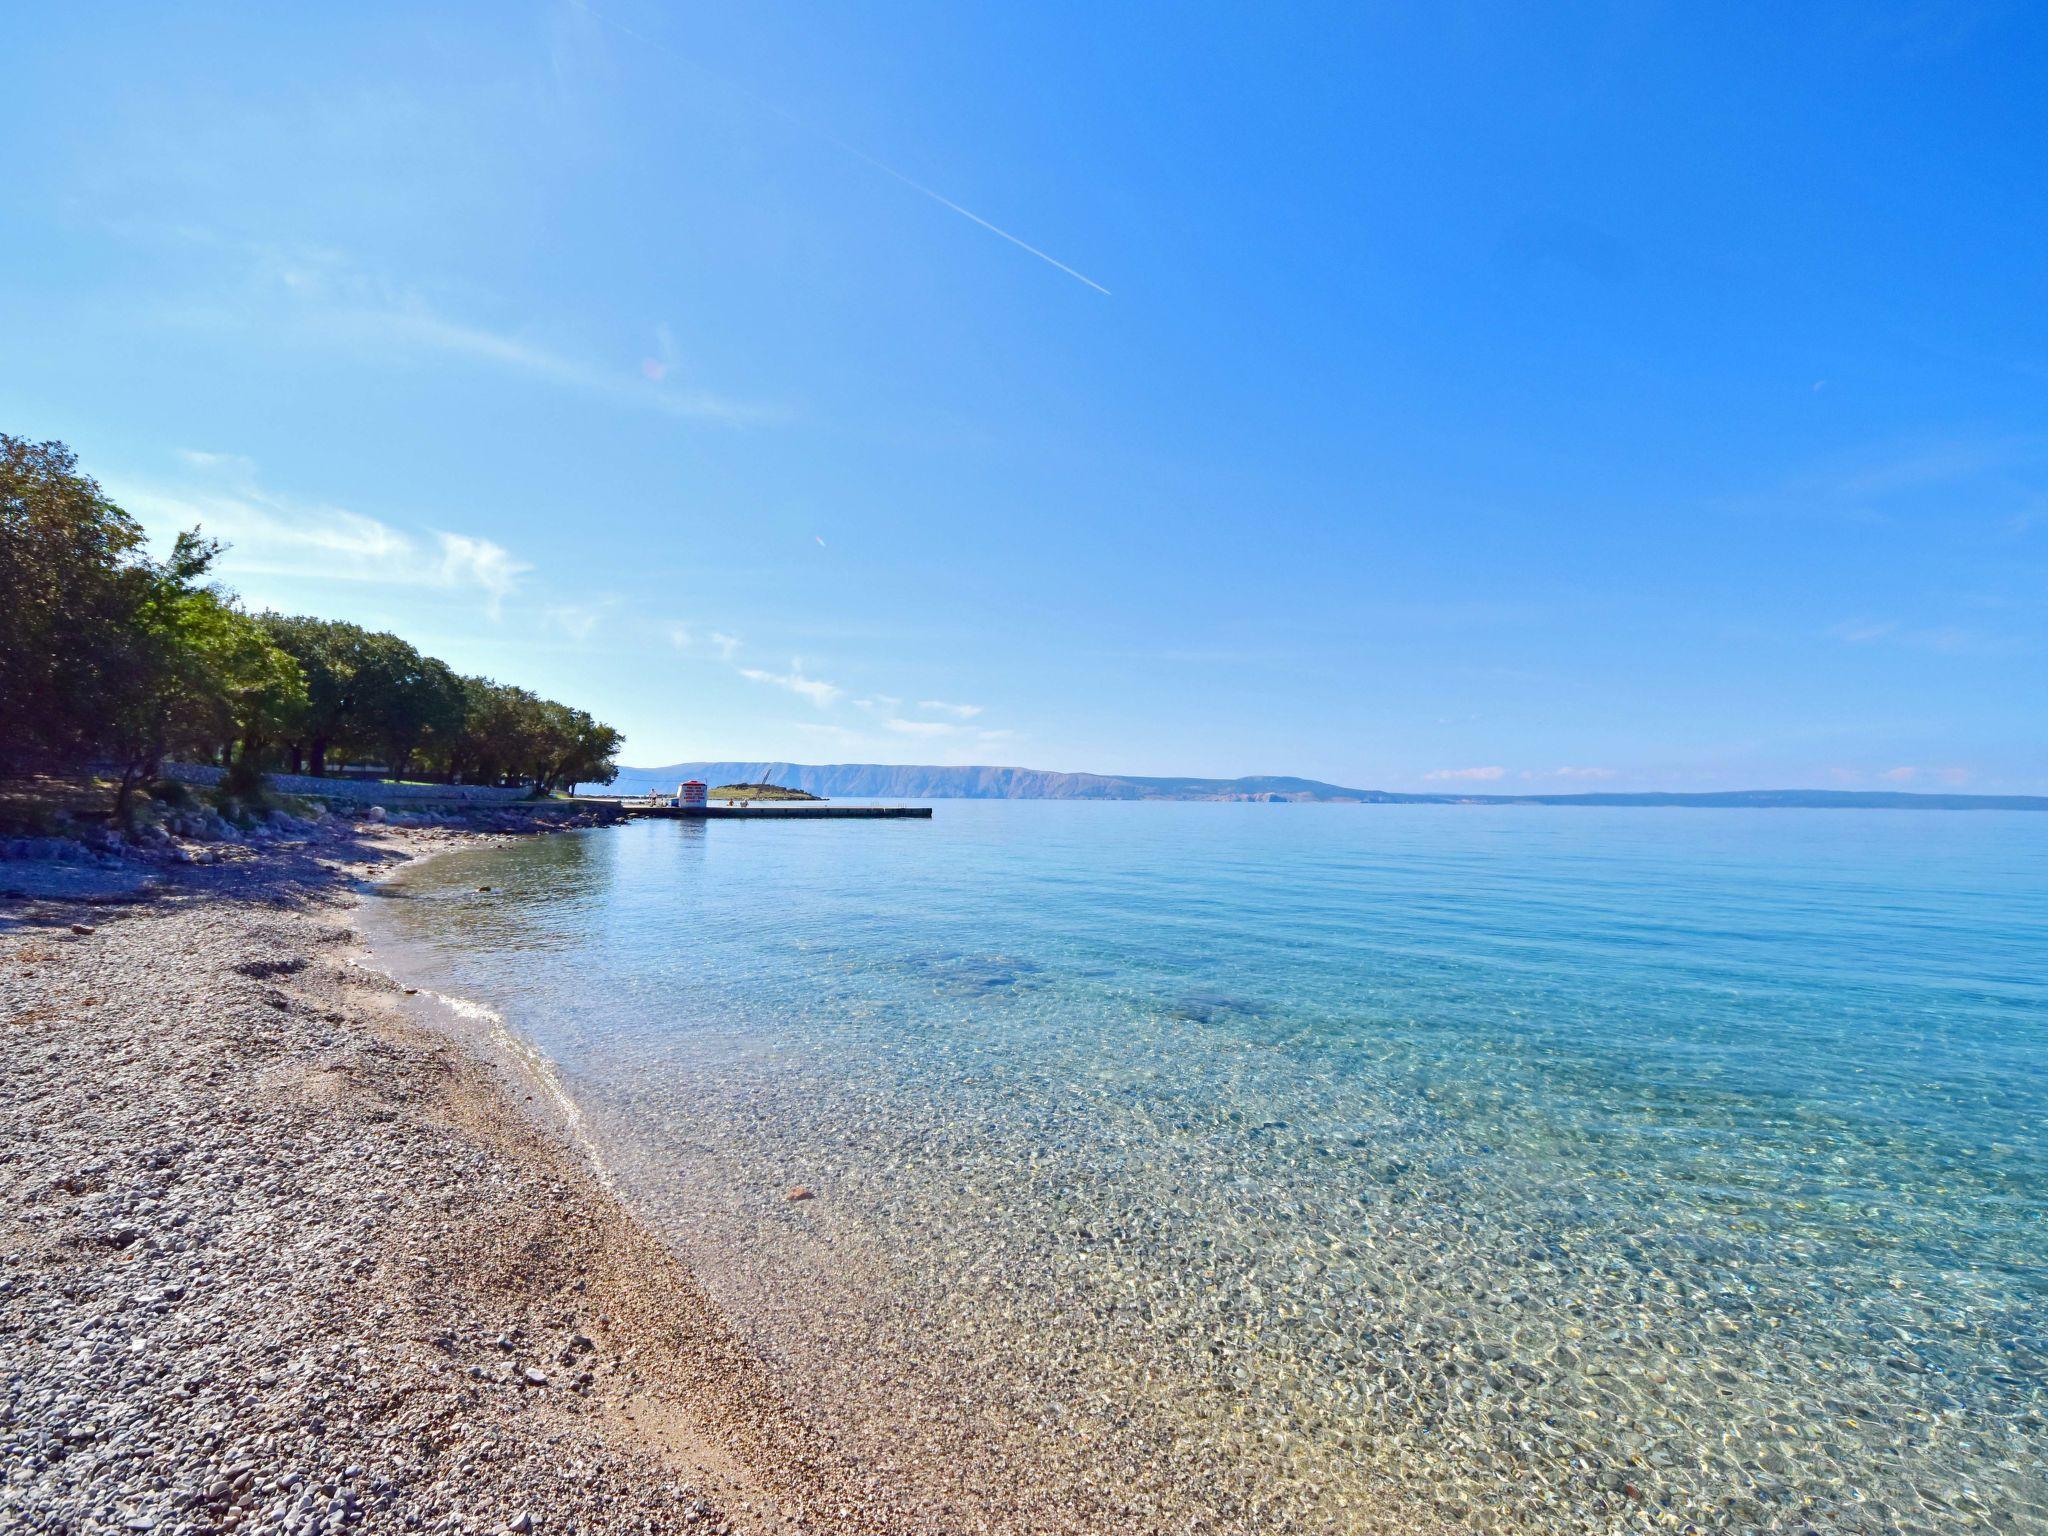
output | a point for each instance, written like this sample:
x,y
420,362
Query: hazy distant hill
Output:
x,y
884,781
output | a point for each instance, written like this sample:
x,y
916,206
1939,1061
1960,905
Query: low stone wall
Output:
x,y
359,791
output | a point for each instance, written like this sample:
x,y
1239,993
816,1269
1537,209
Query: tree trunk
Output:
x,y
124,795
318,764
294,758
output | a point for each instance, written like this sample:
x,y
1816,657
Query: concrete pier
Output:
x,y
802,812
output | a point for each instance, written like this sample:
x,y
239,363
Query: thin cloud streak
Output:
x,y
852,149
817,691
1905,774
413,326
923,727
332,300
271,535
963,748
579,621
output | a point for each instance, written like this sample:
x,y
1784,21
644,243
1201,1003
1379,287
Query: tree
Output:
x,y
70,580
329,655
106,653
499,727
509,734
589,755
161,683
402,701
368,694
244,693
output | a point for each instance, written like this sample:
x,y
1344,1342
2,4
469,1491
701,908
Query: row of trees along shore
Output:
x,y
112,658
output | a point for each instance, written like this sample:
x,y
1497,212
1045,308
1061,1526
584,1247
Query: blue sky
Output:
x,y
1605,396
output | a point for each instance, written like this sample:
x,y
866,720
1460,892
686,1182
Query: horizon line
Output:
x,y
1430,795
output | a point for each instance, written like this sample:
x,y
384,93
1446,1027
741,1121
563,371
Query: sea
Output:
x,y
1326,1167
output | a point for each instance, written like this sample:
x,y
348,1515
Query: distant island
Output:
x,y
753,791
910,781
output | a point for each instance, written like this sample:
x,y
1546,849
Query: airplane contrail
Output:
x,y
852,149
966,213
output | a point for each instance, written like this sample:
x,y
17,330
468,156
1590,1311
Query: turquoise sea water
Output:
x,y
1307,1167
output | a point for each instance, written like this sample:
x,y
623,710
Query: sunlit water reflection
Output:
x,y
1284,1166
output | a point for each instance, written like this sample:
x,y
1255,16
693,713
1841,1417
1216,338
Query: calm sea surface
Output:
x,y
1288,1166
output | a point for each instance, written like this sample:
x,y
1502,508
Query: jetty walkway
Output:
x,y
773,812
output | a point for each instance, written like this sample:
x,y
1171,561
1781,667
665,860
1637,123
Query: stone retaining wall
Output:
x,y
359,791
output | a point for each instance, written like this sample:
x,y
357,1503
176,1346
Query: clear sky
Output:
x,y
1529,396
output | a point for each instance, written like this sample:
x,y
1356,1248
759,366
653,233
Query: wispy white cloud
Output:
x,y
320,295
922,727
468,561
947,731
1942,639
1480,774
270,535
1582,773
817,691
1891,481
1886,474
236,464
944,742
957,711
579,621
687,637
1907,774
656,366
411,326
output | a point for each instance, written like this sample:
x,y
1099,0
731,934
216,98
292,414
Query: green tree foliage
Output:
x,y
326,654
72,579
241,692
371,697
200,677
107,655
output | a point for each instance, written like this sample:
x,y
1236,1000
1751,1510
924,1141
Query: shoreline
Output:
x,y
286,1245
908,1390
480,1029
283,1255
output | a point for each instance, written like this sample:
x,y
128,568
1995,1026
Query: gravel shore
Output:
x,y
277,1255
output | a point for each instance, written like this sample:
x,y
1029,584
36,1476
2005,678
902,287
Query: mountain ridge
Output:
x,y
936,782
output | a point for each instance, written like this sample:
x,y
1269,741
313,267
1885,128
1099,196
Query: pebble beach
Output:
x,y
277,1255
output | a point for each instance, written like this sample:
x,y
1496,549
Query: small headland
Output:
x,y
746,794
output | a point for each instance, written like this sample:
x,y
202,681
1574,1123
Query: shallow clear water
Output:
x,y
1289,1166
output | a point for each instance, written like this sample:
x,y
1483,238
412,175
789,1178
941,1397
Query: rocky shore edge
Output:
x,y
277,1255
